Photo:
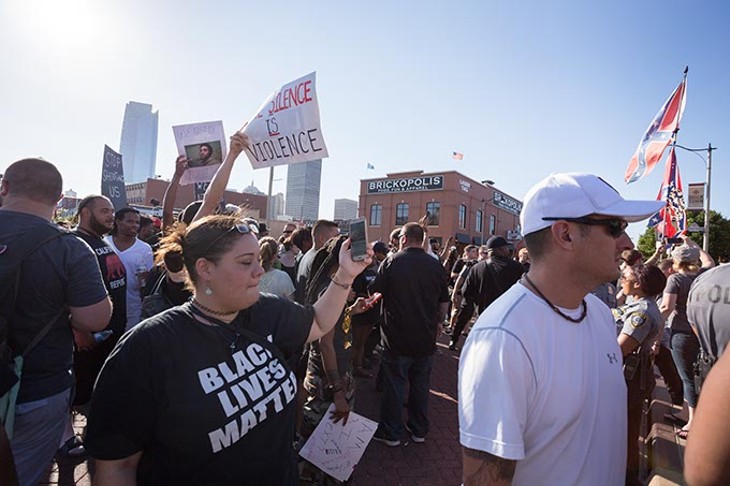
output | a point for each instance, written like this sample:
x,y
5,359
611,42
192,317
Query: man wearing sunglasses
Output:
x,y
542,398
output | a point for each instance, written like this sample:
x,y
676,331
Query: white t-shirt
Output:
x,y
544,391
276,282
139,255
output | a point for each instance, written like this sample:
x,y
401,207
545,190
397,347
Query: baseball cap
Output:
x,y
496,242
686,254
380,247
576,195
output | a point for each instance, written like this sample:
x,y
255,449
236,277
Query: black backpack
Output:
x,y
12,256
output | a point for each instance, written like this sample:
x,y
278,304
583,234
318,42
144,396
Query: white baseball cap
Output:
x,y
577,195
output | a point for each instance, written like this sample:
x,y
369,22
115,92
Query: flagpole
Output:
x,y
708,192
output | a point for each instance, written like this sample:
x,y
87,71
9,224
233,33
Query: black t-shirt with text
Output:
x,y
115,279
204,403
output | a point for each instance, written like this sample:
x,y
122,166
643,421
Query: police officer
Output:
x,y
638,324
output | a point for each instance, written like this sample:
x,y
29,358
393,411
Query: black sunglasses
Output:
x,y
616,226
241,227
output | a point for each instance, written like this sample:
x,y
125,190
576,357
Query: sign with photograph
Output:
x,y
406,184
336,448
286,129
112,178
204,144
696,196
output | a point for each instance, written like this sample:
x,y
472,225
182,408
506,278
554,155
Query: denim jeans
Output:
x,y
685,348
399,370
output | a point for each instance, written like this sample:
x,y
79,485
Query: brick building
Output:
x,y
458,206
144,192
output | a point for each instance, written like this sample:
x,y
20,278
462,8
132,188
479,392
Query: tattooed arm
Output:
x,y
482,468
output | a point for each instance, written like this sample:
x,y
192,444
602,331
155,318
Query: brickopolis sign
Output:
x,y
406,184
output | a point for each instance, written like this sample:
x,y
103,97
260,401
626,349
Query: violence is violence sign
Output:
x,y
286,129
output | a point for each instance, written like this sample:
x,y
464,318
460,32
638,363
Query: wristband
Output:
x,y
339,284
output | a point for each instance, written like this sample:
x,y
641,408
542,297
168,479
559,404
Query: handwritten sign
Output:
x,y
112,178
286,129
204,144
335,448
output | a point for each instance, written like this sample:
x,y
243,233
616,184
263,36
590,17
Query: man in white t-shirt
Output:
x,y
542,397
136,255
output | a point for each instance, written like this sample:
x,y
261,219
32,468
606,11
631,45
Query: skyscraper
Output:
x,y
302,190
138,145
345,209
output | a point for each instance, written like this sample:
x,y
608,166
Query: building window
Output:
x,y
492,224
401,214
479,221
376,215
462,216
433,208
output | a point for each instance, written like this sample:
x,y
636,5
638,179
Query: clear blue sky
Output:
x,y
521,88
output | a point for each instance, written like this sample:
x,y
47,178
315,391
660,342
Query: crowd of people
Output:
x,y
204,351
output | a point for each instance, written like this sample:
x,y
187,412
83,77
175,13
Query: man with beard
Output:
x,y
136,255
542,396
205,150
95,219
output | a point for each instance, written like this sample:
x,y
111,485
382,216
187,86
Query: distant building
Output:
x,y
458,206
276,204
345,209
138,144
142,193
302,190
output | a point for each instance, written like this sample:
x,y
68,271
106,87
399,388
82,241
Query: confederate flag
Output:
x,y
671,220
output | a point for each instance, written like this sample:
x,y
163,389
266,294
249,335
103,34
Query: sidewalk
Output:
x,y
436,462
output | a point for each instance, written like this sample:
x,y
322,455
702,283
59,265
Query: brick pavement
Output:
x,y
436,462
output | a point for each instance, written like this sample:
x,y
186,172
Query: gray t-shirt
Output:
x,y
63,273
679,284
708,309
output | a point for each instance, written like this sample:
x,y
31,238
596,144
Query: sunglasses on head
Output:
x,y
615,226
242,227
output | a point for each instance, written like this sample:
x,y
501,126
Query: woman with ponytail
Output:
x,y
202,393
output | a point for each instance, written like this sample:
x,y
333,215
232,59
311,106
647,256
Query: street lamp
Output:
x,y
708,167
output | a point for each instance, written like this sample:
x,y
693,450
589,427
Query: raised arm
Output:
x,y
705,258
168,200
329,306
217,186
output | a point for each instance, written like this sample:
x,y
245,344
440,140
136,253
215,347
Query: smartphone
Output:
x,y
359,239
673,241
372,300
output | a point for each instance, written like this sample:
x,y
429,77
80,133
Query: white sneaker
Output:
x,y
414,437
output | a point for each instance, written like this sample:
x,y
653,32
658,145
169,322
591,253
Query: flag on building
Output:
x,y
657,136
457,156
671,220
371,166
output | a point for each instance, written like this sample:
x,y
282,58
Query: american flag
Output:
x,y
657,136
457,156
671,220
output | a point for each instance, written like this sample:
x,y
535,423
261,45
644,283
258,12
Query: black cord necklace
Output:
x,y
211,311
554,307
219,324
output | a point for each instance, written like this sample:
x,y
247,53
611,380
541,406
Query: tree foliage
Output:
x,y
719,235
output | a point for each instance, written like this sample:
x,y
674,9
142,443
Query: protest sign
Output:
x,y
286,129
336,448
204,144
112,178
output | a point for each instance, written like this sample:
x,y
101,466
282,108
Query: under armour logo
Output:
x,y
612,358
